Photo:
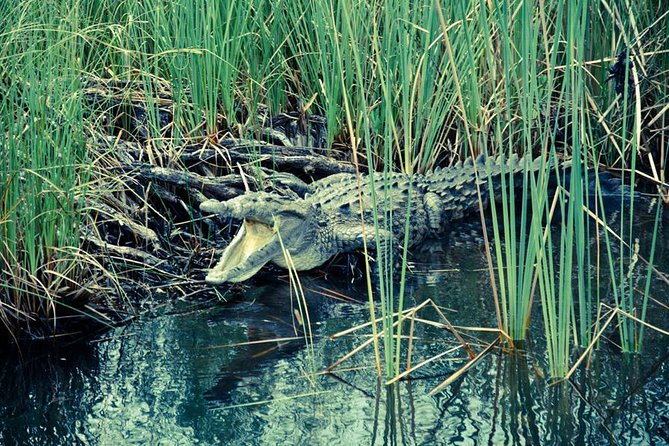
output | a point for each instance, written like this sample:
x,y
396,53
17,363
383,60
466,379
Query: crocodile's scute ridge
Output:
x,y
327,220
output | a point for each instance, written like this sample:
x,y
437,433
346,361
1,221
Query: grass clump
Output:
x,y
42,146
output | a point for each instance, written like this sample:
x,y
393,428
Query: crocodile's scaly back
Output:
x,y
347,206
341,212
456,187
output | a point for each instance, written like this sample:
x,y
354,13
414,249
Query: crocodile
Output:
x,y
326,220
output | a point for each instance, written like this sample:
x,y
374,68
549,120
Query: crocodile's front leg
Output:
x,y
351,238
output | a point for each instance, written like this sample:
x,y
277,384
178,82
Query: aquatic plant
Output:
x,y
518,81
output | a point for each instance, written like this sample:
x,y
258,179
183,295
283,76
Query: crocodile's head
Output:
x,y
269,221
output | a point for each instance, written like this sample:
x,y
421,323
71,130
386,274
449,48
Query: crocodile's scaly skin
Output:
x,y
327,220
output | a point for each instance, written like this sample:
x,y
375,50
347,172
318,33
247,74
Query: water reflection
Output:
x,y
202,374
271,331
519,422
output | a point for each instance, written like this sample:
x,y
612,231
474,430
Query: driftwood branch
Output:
x,y
222,188
125,251
123,219
314,163
145,206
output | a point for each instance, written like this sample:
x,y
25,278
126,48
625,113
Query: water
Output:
x,y
179,379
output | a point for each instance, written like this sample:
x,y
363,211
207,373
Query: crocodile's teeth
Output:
x,y
252,237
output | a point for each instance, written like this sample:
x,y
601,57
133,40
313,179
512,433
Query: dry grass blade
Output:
x,y
262,341
661,275
411,314
369,324
450,328
422,363
463,369
359,348
589,348
333,294
636,319
286,398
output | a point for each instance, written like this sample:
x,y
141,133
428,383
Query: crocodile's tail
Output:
x,y
462,177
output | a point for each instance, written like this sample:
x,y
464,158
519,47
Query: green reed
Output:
x,y
42,148
401,121
535,63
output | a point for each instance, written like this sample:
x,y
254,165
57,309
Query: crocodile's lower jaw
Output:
x,y
251,238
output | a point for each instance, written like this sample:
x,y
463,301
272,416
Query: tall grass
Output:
x,y
540,93
42,148
407,86
401,121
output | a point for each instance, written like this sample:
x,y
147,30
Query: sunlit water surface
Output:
x,y
178,378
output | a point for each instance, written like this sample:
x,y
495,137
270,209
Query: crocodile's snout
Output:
x,y
213,206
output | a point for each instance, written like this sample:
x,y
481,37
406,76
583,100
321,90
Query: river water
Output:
x,y
186,374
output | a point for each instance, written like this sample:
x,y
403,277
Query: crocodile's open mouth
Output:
x,y
246,254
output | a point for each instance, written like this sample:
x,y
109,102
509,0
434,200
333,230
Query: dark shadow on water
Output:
x,y
41,387
516,383
269,314
268,318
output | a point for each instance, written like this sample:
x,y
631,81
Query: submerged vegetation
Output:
x,y
407,86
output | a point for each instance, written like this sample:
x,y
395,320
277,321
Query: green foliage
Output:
x,y
406,84
41,147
